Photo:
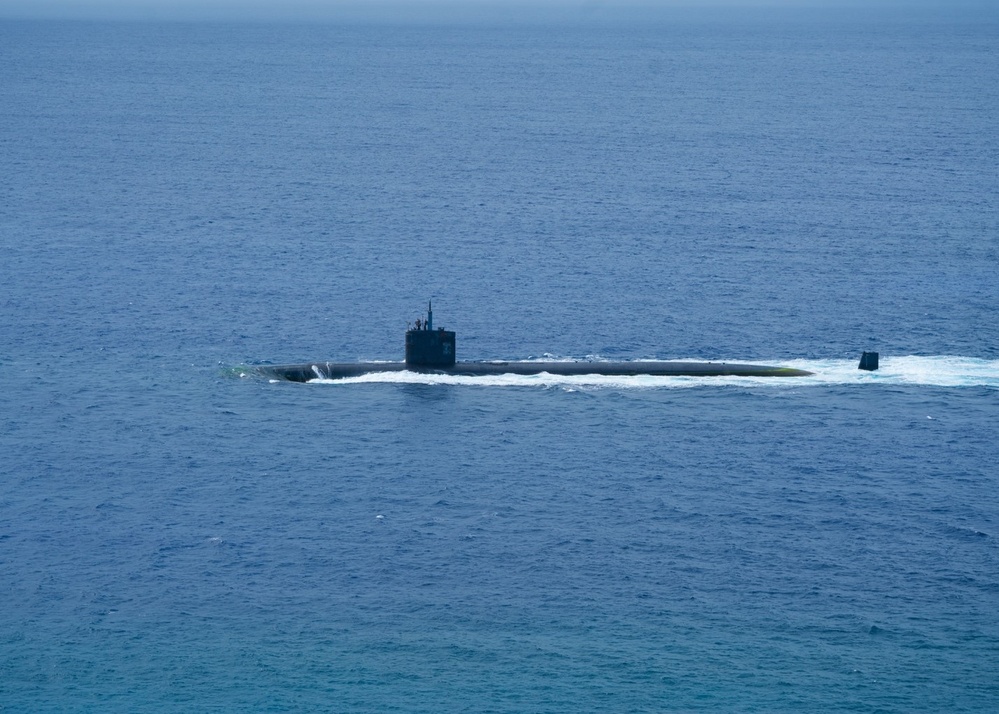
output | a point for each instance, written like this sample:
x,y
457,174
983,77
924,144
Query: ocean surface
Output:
x,y
178,201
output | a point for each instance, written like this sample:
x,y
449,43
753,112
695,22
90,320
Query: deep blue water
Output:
x,y
177,200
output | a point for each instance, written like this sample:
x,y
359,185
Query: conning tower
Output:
x,y
427,347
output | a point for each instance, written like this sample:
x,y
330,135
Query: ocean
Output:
x,y
182,201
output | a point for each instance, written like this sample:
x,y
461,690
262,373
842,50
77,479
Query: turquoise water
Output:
x,y
179,200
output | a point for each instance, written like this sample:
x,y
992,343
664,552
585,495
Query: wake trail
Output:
x,y
938,371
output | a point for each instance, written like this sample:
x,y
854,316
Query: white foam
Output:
x,y
942,371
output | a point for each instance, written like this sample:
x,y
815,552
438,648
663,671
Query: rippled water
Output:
x,y
179,200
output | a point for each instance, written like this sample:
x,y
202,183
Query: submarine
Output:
x,y
432,351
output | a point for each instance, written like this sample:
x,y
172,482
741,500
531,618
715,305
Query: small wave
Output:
x,y
941,371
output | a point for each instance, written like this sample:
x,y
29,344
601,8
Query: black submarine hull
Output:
x,y
341,370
